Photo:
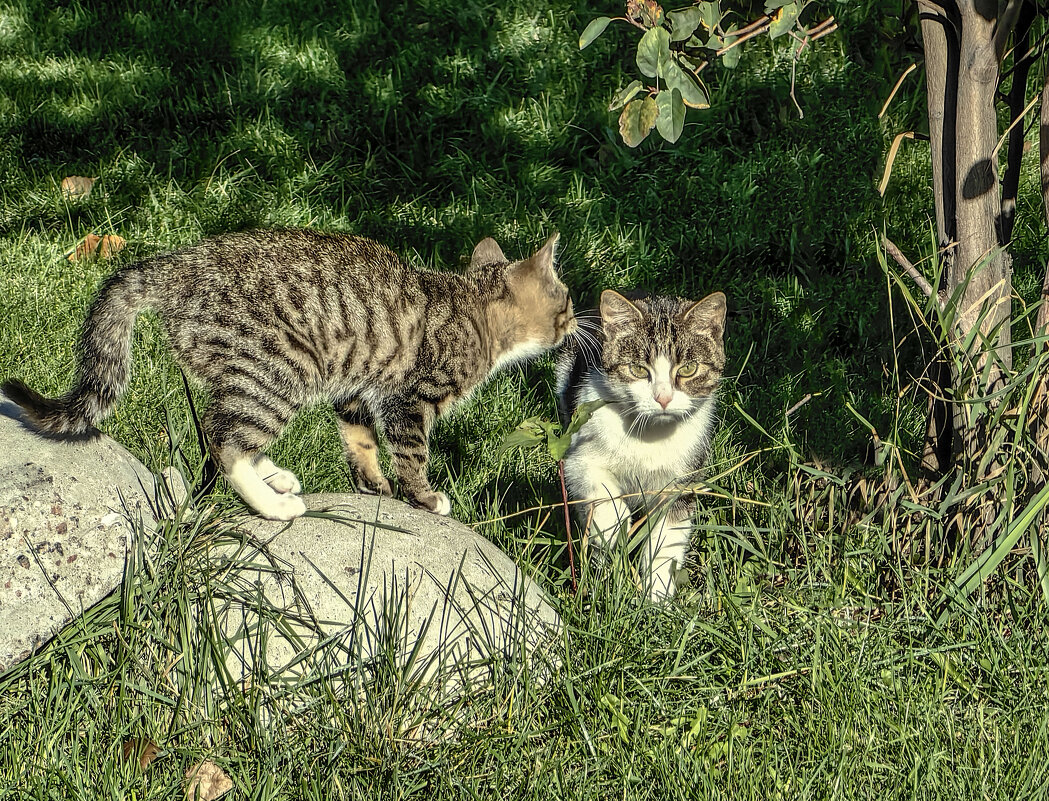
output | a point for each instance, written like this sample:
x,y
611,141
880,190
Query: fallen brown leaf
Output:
x,y
77,186
98,247
145,750
206,781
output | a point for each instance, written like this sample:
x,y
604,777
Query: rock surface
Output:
x,y
64,528
370,585
383,586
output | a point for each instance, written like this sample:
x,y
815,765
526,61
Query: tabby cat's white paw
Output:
x,y
284,481
282,507
278,479
444,504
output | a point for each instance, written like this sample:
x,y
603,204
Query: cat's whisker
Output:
x,y
589,345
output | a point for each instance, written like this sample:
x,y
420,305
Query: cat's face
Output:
x,y
537,313
662,356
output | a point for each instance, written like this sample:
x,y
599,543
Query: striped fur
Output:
x,y
272,321
656,363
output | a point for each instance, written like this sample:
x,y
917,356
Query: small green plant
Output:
x,y
535,431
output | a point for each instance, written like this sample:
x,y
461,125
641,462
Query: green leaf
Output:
x,y
653,51
783,20
558,444
693,93
684,23
671,119
637,121
525,436
625,96
593,30
711,14
582,414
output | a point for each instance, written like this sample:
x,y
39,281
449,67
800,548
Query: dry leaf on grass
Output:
x,y
98,247
77,186
206,781
143,750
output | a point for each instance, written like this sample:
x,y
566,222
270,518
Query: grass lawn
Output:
x,y
809,657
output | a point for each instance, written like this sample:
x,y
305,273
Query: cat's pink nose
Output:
x,y
663,398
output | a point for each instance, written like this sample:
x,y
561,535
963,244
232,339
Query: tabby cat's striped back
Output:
x,y
271,321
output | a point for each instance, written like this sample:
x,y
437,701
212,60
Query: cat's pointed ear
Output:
x,y
707,314
547,255
617,310
543,260
487,252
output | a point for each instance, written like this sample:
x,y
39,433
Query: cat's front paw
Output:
x,y
282,507
436,502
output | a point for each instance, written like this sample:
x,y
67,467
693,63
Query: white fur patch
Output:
x,y
444,505
522,351
653,455
281,480
244,478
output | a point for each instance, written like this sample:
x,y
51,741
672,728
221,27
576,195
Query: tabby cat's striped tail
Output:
x,y
105,363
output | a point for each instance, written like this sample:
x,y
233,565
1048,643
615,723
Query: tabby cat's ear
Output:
x,y
617,310
543,261
548,252
487,252
708,314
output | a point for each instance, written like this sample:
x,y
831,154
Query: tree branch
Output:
x,y
912,271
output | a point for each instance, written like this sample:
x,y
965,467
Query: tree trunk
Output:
x,y
980,265
1039,414
963,44
941,79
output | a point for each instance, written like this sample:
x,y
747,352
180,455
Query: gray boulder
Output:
x,y
64,533
375,585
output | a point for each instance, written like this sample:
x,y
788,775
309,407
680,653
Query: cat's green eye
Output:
x,y
637,370
688,369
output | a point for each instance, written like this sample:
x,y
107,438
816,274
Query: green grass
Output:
x,y
808,659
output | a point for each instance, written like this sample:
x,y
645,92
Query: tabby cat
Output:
x,y
271,321
656,363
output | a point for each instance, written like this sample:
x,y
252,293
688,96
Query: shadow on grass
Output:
x,y
431,127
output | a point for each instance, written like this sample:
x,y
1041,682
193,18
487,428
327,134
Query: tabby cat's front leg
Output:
x,y
407,429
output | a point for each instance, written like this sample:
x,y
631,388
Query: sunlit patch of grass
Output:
x,y
80,91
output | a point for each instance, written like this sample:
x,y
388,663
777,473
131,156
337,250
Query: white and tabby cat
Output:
x,y
656,364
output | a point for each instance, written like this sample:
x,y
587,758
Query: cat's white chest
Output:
x,y
654,456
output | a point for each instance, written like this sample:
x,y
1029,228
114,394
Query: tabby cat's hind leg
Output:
x,y
407,427
239,427
357,429
281,480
